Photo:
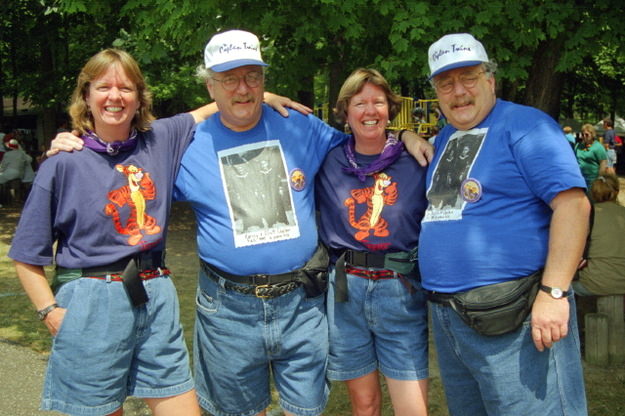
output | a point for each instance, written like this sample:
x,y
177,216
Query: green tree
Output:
x,y
563,56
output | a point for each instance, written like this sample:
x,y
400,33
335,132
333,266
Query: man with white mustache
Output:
x,y
518,209
261,296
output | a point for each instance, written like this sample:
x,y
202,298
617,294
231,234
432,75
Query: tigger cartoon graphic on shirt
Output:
x,y
139,189
382,193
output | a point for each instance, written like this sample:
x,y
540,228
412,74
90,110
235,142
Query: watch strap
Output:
x,y
549,290
42,313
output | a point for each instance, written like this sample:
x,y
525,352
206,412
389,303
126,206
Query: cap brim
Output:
x,y
455,65
227,66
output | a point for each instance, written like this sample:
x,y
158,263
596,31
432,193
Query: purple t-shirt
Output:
x,y
100,208
382,214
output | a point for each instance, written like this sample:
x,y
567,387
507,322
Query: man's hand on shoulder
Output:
x,y
417,146
66,142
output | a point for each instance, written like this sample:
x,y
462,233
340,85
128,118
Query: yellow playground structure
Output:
x,y
420,116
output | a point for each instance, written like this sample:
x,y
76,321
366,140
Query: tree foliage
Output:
x,y
562,56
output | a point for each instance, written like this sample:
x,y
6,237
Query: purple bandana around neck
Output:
x,y
93,142
391,151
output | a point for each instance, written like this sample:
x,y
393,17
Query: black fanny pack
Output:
x,y
314,274
494,309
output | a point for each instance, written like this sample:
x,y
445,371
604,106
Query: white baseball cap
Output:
x,y
456,50
13,144
232,49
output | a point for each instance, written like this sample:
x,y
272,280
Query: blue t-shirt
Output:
x,y
489,190
253,192
609,136
100,208
382,214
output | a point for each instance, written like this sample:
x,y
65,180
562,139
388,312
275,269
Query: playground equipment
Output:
x,y
420,116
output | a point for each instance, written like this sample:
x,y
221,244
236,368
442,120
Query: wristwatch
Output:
x,y
42,313
555,292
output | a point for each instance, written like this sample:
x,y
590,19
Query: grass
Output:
x,y
19,325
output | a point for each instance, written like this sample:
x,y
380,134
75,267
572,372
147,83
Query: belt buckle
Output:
x,y
259,295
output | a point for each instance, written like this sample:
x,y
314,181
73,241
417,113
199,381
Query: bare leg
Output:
x,y
184,404
365,394
409,397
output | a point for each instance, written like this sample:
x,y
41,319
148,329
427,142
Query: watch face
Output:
x,y
556,292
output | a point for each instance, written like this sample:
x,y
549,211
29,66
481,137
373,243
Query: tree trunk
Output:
x,y
2,92
306,94
544,84
49,112
335,79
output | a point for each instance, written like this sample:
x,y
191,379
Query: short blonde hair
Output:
x,y
590,128
605,188
82,120
355,83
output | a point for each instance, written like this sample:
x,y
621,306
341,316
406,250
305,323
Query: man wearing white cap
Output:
x,y
260,304
507,220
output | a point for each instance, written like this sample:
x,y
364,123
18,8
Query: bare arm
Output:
x,y
69,142
567,236
204,112
277,102
34,281
603,167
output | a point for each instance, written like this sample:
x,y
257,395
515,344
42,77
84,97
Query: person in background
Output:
x,y
591,156
570,136
3,134
514,211
14,162
603,270
609,134
611,159
371,198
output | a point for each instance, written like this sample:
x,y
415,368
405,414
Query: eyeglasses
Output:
x,y
467,80
252,79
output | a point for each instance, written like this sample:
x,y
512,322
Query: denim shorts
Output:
x,y
240,340
381,326
107,350
506,375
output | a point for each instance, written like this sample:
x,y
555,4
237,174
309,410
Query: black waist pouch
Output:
x,y
499,308
314,274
